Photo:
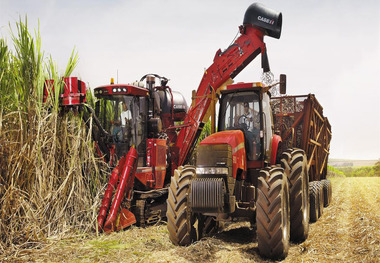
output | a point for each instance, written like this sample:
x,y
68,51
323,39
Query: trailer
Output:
x,y
300,122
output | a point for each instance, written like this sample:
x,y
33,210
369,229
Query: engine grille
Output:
x,y
207,195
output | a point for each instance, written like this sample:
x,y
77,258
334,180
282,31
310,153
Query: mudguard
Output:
x,y
275,143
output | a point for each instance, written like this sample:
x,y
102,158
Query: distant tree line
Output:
x,y
364,171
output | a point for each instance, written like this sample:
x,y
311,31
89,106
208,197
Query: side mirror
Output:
x,y
282,84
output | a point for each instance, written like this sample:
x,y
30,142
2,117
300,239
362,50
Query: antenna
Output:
x,y
117,76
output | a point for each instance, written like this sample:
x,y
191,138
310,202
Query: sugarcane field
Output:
x,y
177,131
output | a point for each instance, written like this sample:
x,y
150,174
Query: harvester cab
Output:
x,y
121,110
133,113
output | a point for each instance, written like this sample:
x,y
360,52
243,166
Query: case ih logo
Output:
x,y
266,20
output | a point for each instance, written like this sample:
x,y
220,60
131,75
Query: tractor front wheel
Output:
x,y
180,219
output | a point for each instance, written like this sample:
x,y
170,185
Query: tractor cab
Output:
x,y
245,107
122,112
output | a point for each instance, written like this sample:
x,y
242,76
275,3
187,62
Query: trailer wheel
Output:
x,y
327,192
272,215
180,219
320,204
314,201
294,163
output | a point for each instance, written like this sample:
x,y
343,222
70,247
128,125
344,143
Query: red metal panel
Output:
x,y
235,139
145,176
255,164
153,176
74,91
275,142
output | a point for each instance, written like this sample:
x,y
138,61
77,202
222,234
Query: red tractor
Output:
x,y
241,171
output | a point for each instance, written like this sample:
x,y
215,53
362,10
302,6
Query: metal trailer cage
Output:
x,y
300,122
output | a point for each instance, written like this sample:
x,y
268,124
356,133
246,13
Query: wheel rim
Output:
x,y
285,218
305,196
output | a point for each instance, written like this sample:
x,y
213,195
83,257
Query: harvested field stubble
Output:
x,y
349,231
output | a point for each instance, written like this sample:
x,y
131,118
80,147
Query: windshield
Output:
x,y
240,111
122,117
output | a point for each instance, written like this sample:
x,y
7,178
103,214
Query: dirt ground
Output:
x,y
349,231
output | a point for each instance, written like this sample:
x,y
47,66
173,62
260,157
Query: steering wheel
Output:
x,y
241,122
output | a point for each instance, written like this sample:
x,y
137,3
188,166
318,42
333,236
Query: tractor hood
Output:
x,y
235,138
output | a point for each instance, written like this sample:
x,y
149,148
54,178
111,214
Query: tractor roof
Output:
x,y
242,86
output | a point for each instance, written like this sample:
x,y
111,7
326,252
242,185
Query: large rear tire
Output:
x,y
272,214
314,201
294,163
327,192
180,219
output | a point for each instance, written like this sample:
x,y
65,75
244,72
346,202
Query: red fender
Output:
x,y
126,218
275,142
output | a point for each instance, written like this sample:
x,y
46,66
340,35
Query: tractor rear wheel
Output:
x,y
320,204
294,163
272,214
314,201
180,218
327,192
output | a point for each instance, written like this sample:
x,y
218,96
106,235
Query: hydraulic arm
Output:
x,y
258,21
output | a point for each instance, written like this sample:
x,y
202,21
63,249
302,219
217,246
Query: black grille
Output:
x,y
207,195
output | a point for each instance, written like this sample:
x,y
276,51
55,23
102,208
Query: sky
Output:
x,y
328,48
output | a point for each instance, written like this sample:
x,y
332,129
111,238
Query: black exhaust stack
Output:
x,y
264,18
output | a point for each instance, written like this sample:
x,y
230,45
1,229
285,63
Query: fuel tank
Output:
x,y
179,104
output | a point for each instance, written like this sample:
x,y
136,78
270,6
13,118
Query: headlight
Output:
x,y
113,90
212,170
